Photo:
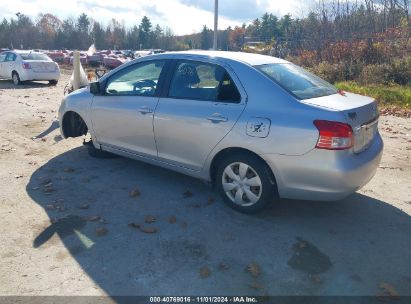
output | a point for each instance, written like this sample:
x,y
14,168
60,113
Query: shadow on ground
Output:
x,y
8,84
298,247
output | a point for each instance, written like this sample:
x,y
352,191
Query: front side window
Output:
x,y
296,80
11,57
140,79
203,81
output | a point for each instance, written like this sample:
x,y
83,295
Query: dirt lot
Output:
x,y
357,246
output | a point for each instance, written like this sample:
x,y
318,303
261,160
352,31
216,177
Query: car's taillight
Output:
x,y
26,66
334,135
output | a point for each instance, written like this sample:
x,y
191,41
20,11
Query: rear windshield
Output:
x,y
33,56
297,81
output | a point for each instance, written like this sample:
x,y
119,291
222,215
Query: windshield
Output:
x,y
34,56
297,81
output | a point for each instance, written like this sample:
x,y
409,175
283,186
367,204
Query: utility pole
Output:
x,y
215,24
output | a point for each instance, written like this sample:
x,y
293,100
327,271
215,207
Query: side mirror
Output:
x,y
95,88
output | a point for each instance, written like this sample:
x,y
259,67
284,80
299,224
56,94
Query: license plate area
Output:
x,y
363,136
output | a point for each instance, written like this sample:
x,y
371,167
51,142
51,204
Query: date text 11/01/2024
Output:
x,y
239,299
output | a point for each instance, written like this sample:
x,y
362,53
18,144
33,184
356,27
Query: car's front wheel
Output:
x,y
16,78
245,182
53,82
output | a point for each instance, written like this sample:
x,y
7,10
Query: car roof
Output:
x,y
25,52
222,56
248,58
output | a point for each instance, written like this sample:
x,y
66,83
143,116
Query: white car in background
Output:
x,y
22,66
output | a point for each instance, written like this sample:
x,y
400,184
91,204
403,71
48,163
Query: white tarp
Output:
x,y
79,78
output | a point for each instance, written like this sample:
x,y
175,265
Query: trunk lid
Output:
x,y
42,66
360,112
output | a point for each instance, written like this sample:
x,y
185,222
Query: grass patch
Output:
x,y
386,95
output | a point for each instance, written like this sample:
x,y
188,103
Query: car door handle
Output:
x,y
217,118
145,110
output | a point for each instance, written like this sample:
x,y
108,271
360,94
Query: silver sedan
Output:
x,y
257,127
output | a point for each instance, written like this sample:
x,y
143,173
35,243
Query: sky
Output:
x,y
182,16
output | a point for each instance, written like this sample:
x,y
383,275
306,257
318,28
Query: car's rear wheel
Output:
x,y
16,78
53,82
245,182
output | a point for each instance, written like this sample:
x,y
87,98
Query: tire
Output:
x,y
96,153
16,78
53,82
250,184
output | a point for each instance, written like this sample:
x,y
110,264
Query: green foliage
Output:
x,y
385,94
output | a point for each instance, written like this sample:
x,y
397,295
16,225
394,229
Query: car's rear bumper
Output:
x,y
30,75
324,174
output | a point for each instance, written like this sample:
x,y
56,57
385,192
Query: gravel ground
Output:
x,y
74,225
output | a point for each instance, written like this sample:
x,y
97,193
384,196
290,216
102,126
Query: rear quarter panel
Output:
x,y
292,131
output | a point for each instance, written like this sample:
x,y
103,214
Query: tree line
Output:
x,y
330,21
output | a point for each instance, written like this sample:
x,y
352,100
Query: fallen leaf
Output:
x,y
148,229
228,237
255,285
18,176
150,219
204,272
45,181
332,231
44,139
94,218
134,193
196,206
134,225
301,244
356,277
389,289
316,279
101,231
188,194
210,201
172,219
253,269
48,189
223,266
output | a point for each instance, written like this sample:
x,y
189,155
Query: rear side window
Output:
x,y
297,81
35,57
2,57
203,81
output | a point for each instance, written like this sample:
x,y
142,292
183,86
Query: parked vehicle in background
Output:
x,y
57,56
138,54
22,66
142,53
3,50
114,61
256,126
83,58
